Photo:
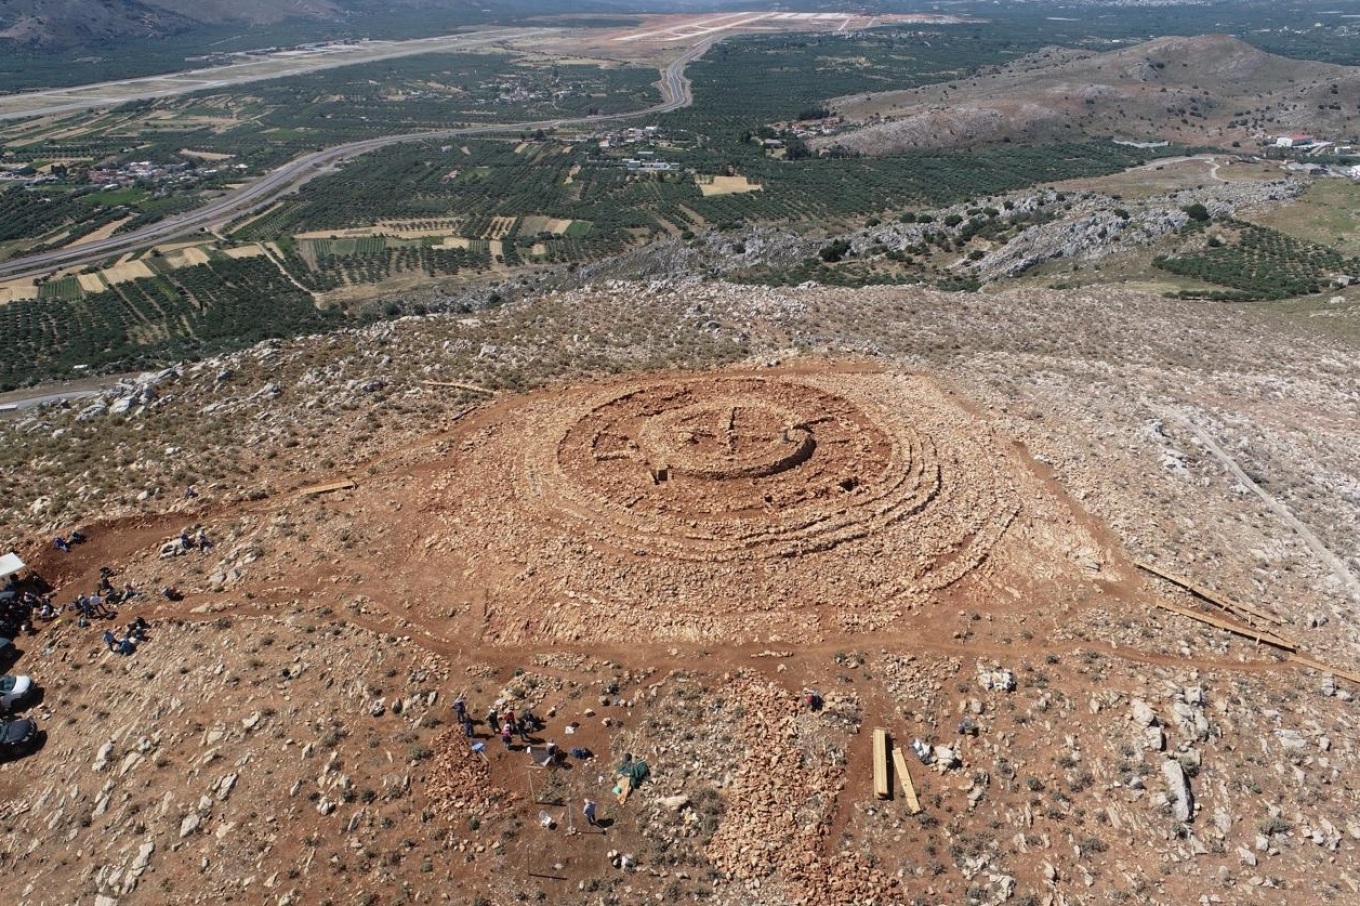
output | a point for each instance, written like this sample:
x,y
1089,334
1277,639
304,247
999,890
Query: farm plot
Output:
x,y
534,224
16,290
1257,263
188,257
147,320
333,263
725,185
501,227
126,272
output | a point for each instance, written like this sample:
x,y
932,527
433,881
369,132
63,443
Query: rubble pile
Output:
x,y
779,807
459,784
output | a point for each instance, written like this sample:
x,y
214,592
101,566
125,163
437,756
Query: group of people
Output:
x,y
17,609
64,543
135,634
199,540
21,607
507,724
630,774
101,603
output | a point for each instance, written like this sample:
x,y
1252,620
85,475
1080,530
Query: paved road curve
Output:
x,y
675,94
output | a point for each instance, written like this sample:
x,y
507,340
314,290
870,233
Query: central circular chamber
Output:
x,y
724,439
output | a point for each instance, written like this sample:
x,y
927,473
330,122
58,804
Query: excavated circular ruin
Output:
x,y
726,502
724,468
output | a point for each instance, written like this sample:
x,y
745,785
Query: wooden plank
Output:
x,y
459,385
881,788
326,488
1258,635
1307,661
1211,597
908,788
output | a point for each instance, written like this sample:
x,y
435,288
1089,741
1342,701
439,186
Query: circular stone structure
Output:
x,y
723,468
714,440
723,504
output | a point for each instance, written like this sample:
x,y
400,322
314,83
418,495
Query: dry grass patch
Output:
x,y
91,283
103,232
205,155
725,185
16,290
1327,213
187,257
126,272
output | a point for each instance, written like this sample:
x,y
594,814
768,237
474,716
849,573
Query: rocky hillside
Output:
x,y
1210,89
987,239
62,24
285,735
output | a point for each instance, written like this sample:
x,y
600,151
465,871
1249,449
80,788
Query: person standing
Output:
x,y
589,811
507,734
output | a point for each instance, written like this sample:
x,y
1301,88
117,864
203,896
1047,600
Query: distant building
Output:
x,y
1293,140
653,166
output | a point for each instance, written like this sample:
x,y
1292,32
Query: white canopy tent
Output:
x,y
11,564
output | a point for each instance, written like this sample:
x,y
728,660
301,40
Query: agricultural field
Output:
x,y
201,143
1328,213
724,185
185,313
36,220
1257,263
479,209
264,124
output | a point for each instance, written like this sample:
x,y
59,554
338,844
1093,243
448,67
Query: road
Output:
x,y
675,94
16,401
1168,161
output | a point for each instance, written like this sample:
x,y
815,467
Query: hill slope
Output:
x,y
1206,89
59,24
285,735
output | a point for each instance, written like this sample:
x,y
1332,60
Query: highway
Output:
x,y
675,93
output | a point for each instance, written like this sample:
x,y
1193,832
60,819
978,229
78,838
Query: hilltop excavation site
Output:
x,y
891,596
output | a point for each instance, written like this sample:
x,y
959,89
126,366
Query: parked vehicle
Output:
x,y
13,691
18,737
